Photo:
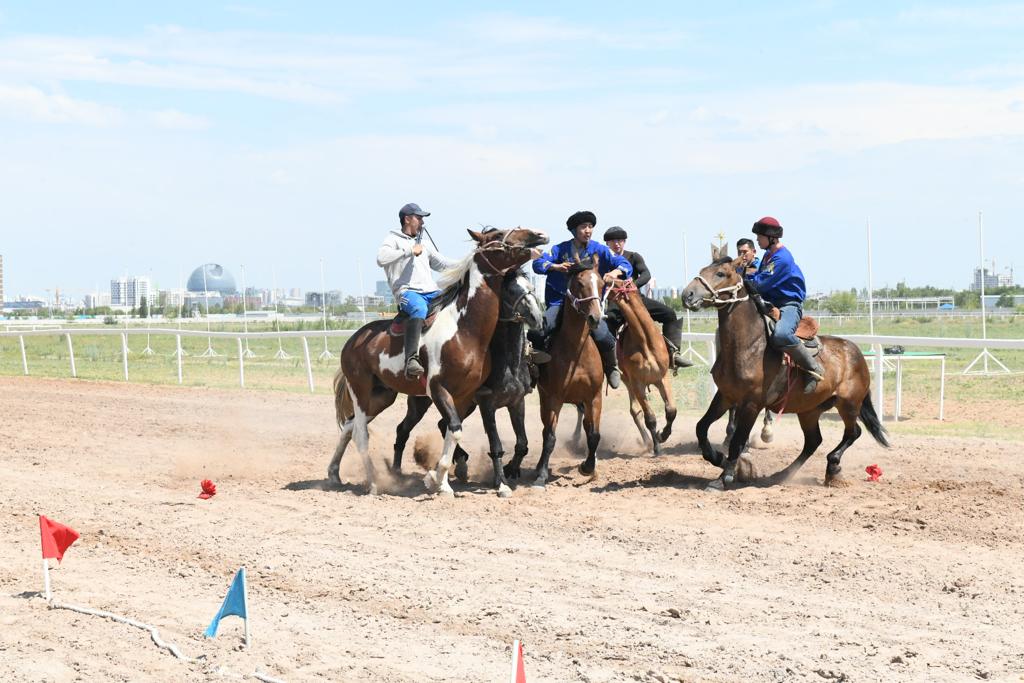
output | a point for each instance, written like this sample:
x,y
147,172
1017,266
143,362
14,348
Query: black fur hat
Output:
x,y
579,218
615,233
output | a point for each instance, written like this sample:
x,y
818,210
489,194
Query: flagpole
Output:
x,y
245,603
46,579
515,652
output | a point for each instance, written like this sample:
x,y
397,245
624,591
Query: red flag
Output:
x,y
518,674
874,472
56,538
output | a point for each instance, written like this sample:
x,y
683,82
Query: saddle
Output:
x,y
447,296
806,330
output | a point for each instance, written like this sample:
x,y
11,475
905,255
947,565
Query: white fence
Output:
x,y
877,343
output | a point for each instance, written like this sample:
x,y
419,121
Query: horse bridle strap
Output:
x,y
731,290
500,246
517,317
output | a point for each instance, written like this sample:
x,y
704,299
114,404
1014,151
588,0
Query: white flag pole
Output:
x,y
515,661
46,579
245,602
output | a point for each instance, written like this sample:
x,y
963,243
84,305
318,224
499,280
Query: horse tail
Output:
x,y
871,421
342,404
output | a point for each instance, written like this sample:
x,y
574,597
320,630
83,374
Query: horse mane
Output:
x,y
454,275
585,264
722,261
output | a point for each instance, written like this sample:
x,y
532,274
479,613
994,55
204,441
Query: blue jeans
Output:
x,y
785,328
415,303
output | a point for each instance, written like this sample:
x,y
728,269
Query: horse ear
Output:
x,y
477,237
714,253
724,251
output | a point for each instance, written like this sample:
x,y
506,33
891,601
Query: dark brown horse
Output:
x,y
574,374
644,360
750,376
453,351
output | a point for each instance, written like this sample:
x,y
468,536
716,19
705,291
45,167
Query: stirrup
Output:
x,y
413,368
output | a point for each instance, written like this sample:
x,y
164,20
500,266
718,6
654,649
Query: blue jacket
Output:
x,y
557,283
779,280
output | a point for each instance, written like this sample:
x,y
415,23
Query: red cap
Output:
x,y
768,220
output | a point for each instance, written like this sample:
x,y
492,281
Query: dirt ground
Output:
x,y
637,575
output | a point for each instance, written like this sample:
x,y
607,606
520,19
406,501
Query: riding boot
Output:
x,y
536,355
808,363
677,357
610,367
413,367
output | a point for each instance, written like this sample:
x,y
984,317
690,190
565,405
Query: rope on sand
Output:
x,y
153,632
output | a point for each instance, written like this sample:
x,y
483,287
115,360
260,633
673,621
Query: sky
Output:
x,y
146,138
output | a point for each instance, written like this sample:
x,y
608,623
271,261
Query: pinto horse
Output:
x,y
574,374
644,360
506,385
751,375
453,351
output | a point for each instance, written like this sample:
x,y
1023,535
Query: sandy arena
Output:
x,y
637,575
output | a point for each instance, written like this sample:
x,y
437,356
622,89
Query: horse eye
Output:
x,y
720,274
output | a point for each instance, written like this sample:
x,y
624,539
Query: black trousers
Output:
x,y
671,325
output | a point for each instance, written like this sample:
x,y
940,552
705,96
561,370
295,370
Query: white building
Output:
x,y
97,300
130,291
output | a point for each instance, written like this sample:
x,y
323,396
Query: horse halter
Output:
x,y
517,315
731,290
577,301
501,246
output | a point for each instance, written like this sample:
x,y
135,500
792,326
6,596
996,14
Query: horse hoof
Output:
x,y
767,435
504,491
445,492
728,479
462,471
334,477
430,480
585,469
715,485
371,490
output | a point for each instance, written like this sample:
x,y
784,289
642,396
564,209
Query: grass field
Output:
x,y
98,357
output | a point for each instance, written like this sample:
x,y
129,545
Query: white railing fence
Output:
x,y
880,360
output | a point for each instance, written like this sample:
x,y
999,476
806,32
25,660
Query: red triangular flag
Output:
x,y
56,537
518,674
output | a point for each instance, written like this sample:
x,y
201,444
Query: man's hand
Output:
x,y
417,249
559,267
612,275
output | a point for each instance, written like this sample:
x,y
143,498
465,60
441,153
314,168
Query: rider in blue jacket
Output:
x,y
555,264
780,282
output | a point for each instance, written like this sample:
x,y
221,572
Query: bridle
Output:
x,y
501,246
517,314
731,290
582,300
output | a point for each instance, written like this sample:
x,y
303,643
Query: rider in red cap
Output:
x,y
781,283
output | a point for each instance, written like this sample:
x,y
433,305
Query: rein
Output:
x,y
497,246
731,290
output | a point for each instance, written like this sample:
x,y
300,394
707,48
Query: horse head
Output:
x,y
717,284
585,289
519,303
499,251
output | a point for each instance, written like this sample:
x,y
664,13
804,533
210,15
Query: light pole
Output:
x,y
245,318
326,353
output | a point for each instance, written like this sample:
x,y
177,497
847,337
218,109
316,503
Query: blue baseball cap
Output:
x,y
411,210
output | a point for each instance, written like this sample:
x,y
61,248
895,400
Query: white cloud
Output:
x,y
27,102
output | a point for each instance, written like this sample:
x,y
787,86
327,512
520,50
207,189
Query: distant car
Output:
x,y
946,307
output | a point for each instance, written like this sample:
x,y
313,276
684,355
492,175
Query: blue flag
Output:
x,y
234,603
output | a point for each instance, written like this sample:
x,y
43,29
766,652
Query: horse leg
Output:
x,y
461,457
592,427
766,430
812,439
717,408
636,409
851,433
668,398
517,415
746,415
548,418
415,408
380,399
438,479
577,435
650,419
730,428
334,469
487,411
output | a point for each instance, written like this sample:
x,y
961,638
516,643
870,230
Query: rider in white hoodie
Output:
x,y
407,262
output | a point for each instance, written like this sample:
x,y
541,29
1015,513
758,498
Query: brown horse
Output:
x,y
750,375
644,360
454,352
574,374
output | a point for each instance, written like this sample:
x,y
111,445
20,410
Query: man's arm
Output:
x,y
392,250
610,261
641,275
542,264
439,261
